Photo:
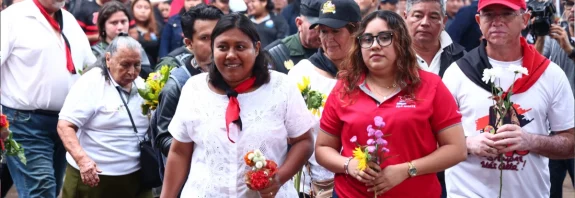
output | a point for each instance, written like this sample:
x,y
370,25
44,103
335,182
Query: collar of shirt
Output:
x,y
444,41
268,17
130,93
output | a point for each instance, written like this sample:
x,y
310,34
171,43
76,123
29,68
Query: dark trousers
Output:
x,y
6,180
558,169
125,186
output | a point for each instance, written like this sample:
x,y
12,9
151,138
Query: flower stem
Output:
x,y
500,175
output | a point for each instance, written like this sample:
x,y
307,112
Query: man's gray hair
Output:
x,y
410,3
120,42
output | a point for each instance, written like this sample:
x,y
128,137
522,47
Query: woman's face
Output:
x,y
335,42
380,56
235,55
164,9
142,10
124,65
256,7
116,24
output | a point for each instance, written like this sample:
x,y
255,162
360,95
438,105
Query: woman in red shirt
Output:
x,y
420,117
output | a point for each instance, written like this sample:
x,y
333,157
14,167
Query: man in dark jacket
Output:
x,y
464,30
289,51
197,25
434,48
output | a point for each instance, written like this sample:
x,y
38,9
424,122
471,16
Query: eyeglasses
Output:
x,y
383,39
505,16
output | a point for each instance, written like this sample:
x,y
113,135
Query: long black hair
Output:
x,y
238,21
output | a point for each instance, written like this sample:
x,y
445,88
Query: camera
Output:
x,y
543,14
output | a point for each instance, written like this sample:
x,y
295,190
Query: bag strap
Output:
x,y
129,114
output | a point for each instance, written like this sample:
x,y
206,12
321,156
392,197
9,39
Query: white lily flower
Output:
x,y
489,75
518,69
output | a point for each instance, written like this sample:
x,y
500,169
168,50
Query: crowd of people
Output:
x,y
466,97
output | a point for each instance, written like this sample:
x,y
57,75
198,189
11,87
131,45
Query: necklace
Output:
x,y
391,86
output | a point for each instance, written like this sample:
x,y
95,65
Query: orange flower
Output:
x,y
249,162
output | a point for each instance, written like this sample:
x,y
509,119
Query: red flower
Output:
x,y
258,180
272,167
4,121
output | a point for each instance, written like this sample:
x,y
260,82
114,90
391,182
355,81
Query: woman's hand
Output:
x,y
272,189
365,176
89,171
390,177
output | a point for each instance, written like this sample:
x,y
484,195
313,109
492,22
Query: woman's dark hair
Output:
x,y
406,67
107,10
150,24
199,12
241,22
270,5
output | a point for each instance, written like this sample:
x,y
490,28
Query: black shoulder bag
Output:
x,y
149,163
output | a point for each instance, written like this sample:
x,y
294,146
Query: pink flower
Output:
x,y
370,142
378,134
379,121
381,141
353,139
371,149
370,130
386,150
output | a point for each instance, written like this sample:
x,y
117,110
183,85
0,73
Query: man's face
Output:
x,y
223,5
365,6
452,6
164,9
568,13
400,7
425,22
501,25
309,38
200,45
388,6
191,3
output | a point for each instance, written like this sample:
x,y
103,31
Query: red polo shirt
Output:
x,y
413,125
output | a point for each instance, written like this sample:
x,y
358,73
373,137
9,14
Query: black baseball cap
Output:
x,y
337,13
310,9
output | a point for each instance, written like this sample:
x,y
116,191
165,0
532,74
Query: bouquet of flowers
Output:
x,y
314,100
375,147
154,84
502,101
10,146
262,172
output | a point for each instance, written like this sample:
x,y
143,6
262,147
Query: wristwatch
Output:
x,y
412,170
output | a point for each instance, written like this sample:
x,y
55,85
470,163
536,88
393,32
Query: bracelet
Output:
x,y
346,164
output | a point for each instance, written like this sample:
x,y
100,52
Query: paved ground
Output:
x,y
568,191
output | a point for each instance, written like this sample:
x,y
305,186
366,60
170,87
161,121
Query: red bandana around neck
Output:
x,y
535,63
56,26
233,110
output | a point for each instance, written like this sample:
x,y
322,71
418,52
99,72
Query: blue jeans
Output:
x,y
557,171
43,174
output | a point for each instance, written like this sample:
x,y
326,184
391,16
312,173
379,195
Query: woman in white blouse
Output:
x,y
273,115
103,151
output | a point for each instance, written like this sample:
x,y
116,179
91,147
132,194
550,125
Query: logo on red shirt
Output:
x,y
405,102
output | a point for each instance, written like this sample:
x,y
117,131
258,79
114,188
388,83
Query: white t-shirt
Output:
x,y
548,103
105,131
33,72
324,85
270,115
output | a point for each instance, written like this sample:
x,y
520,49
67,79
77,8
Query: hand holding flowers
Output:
x,y
8,145
262,177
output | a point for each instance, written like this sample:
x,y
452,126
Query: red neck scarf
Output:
x,y
233,110
58,26
535,63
